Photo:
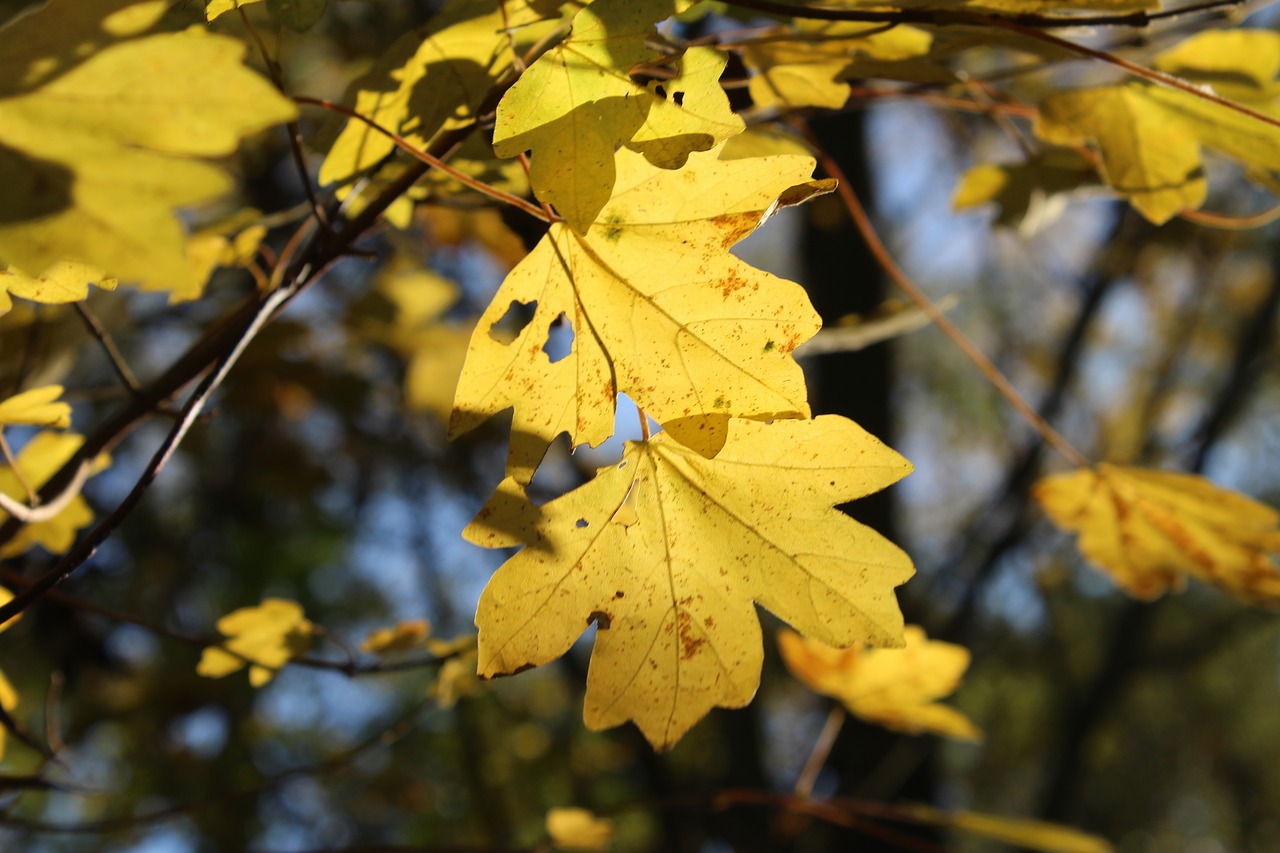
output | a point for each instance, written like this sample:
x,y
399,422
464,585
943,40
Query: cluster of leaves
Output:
x,y
598,120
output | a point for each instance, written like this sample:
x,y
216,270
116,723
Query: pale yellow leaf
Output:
x,y
667,553
579,829
214,8
658,308
265,636
894,688
96,158
1150,529
37,407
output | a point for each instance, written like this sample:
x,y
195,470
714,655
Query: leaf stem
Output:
x,y
644,423
428,158
863,223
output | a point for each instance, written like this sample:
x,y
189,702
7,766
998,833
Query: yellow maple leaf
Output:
x,y
398,638
806,65
265,637
37,407
579,829
659,309
1149,137
667,551
98,148
39,459
579,101
894,688
1150,529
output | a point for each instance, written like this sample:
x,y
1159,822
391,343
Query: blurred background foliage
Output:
x,y
322,475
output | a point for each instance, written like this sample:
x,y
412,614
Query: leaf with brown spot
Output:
x,y
676,550
658,308
1150,529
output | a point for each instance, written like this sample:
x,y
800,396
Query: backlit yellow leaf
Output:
x,y
657,306
266,637
894,688
1150,529
1149,137
37,407
589,94
579,829
1029,195
64,281
39,459
214,8
667,553
96,158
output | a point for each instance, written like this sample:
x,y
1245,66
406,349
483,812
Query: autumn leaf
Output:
x,y
579,829
808,65
265,637
40,458
62,282
37,407
658,308
406,92
400,637
894,688
1150,529
1029,195
1027,834
96,158
1149,137
667,551
586,96
214,8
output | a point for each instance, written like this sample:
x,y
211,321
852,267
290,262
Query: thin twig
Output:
x,y
37,512
428,158
104,339
925,304
821,749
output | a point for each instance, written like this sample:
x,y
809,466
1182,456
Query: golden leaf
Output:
x,y
658,308
39,459
894,688
579,829
668,551
398,638
265,637
1150,529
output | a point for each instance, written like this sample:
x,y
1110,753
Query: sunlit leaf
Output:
x,y
37,407
579,829
265,637
668,552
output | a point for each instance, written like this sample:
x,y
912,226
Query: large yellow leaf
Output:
x,y
1149,137
1149,529
894,688
39,459
579,101
667,551
659,309
266,636
96,155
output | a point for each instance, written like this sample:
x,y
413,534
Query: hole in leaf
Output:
x,y
509,326
582,522
678,98
559,338
660,92
601,619
622,464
